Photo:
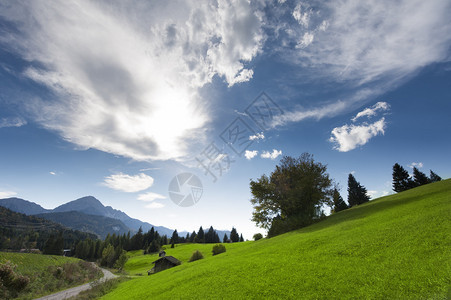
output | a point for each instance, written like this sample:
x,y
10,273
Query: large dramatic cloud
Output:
x,y
126,77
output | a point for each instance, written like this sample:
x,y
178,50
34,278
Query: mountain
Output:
x,y
92,206
19,231
22,206
98,225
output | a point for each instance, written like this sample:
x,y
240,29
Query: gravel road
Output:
x,y
107,275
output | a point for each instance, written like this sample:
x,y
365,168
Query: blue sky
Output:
x,y
114,99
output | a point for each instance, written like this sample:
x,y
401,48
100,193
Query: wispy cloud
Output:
x,y
127,80
128,183
52,173
154,205
272,155
372,111
7,194
250,154
150,196
416,164
12,122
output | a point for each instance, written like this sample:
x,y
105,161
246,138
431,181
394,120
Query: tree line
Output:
x,y
295,194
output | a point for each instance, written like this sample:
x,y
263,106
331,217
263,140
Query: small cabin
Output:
x,y
164,263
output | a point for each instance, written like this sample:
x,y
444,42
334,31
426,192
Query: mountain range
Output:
x,y
88,214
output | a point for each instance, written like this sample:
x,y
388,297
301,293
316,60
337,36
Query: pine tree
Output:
x,y
175,237
419,177
225,239
356,192
200,237
434,177
339,203
401,179
192,237
234,235
241,238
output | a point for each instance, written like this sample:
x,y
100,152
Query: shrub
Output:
x,y
196,256
258,236
218,248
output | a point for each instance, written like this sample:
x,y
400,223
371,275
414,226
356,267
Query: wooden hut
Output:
x,y
164,263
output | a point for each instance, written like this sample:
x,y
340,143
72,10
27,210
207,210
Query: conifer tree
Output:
x,y
225,239
175,237
339,203
401,179
356,192
241,238
434,177
419,177
200,237
234,235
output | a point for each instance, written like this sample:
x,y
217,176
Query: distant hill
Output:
x,y
97,225
23,206
87,205
19,231
115,221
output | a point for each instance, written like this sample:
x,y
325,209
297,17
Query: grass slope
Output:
x,y
397,246
49,273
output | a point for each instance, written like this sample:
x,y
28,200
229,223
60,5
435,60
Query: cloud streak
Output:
x,y
272,155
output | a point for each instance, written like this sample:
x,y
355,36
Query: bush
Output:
x,y
258,236
11,283
196,256
218,248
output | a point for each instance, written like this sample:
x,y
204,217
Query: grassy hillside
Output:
x,y
397,246
49,273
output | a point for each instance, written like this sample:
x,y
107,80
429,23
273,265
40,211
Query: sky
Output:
x,y
129,101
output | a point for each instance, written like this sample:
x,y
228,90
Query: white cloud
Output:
x,y
52,173
250,154
272,155
12,122
128,183
258,136
7,194
416,164
303,18
154,205
372,111
149,197
348,137
306,40
126,77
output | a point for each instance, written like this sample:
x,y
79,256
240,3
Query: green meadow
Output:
x,y
395,247
28,263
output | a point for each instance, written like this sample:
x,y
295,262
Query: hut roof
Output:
x,y
172,259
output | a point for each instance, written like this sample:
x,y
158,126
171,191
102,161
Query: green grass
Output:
x,y
49,273
28,263
395,247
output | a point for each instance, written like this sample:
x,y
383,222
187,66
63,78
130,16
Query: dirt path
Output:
x,y
107,275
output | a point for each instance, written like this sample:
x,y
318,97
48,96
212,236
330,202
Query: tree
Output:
x,y
234,235
120,262
339,203
225,239
241,238
356,192
434,177
154,247
210,235
257,236
175,237
292,196
401,179
200,237
419,177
